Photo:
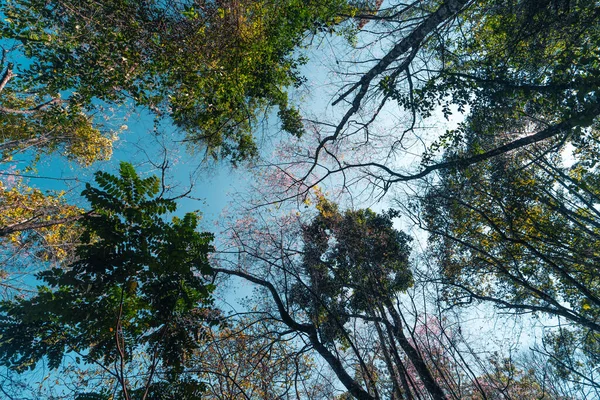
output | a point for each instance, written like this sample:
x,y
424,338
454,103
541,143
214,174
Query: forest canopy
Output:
x,y
409,173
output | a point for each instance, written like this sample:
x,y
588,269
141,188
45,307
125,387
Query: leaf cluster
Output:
x,y
138,284
213,68
350,259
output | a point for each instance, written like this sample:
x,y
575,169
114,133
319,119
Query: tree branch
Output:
x,y
28,225
353,387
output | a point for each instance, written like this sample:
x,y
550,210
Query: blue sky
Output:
x,y
139,145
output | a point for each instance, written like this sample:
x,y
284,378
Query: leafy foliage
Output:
x,y
213,67
24,207
523,66
137,285
351,260
523,235
58,128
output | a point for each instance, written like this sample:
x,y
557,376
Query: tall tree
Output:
x,y
137,285
521,231
519,72
339,284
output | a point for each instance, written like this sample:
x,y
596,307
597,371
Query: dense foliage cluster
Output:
x,y
351,260
212,67
137,284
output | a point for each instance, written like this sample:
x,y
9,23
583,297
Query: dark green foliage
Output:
x,y
352,261
291,121
138,281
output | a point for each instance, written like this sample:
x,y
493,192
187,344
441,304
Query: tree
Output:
x,y
36,120
521,232
505,67
137,285
36,229
247,359
340,285
211,67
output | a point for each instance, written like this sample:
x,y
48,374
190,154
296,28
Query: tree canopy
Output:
x,y
138,283
512,73
522,236
211,67
475,121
